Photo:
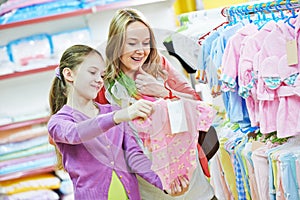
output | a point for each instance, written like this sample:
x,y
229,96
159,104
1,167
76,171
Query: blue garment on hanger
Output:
x,y
290,184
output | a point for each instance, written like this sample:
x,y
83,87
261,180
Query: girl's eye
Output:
x,y
131,44
146,43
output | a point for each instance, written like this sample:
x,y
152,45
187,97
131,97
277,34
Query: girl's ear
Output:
x,y
68,74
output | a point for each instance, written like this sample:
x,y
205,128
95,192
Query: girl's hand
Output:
x,y
179,186
142,108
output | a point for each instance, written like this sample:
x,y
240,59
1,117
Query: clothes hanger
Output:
x,y
232,18
278,9
287,5
247,13
258,17
214,29
265,19
208,33
171,96
268,6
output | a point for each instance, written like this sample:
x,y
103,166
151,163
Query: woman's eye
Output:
x,y
146,43
131,44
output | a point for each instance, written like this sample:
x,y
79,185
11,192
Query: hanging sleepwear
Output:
x,y
268,58
288,170
252,182
234,104
247,74
260,163
288,117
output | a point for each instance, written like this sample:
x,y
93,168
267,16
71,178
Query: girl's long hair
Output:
x,y
71,58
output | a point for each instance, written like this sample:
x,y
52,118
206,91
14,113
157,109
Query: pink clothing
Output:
x,y
288,116
174,154
278,182
230,59
268,100
261,166
252,181
269,57
247,76
221,188
176,81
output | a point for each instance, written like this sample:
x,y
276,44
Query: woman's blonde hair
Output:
x,y
116,42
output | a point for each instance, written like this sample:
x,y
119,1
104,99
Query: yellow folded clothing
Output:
x,y
36,182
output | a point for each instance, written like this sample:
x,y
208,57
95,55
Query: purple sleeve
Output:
x,y
63,128
138,161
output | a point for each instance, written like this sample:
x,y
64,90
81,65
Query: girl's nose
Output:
x,y
99,78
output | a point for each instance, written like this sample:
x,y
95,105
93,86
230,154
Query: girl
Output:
x,y
98,151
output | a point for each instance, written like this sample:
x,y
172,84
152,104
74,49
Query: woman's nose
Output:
x,y
139,48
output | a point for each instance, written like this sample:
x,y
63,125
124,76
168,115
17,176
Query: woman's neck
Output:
x,y
130,74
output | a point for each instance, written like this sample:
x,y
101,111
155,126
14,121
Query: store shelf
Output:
x,y
110,6
45,18
127,3
23,123
27,72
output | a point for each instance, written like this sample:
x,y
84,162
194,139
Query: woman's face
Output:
x,y
136,48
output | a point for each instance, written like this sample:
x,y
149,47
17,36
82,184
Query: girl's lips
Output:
x,y
97,87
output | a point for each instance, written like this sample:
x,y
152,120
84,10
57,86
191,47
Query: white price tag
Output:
x,y
177,117
292,52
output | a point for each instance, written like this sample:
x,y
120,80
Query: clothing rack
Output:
x,y
191,17
234,12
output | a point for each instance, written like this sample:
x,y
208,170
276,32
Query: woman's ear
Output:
x,y
68,74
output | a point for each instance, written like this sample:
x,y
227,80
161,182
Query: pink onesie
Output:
x,y
174,154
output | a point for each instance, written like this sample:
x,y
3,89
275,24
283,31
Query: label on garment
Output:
x,y
292,52
177,117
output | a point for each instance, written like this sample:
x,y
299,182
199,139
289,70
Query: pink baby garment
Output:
x,y
174,154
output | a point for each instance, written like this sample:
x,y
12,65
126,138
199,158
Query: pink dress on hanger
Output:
x,y
174,154
247,77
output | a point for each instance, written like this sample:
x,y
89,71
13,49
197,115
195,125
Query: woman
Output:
x,y
136,70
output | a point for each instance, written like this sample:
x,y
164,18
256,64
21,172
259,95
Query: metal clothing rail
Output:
x,y
233,12
194,16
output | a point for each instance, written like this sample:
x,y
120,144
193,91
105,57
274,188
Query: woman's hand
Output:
x,y
142,108
146,84
179,186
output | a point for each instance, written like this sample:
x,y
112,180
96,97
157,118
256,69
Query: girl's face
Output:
x,y
136,48
88,77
